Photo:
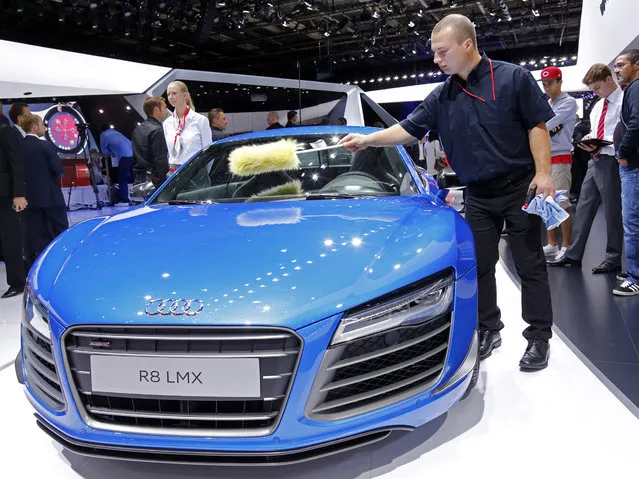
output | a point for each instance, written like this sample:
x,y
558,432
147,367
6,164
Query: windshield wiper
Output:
x,y
331,196
191,202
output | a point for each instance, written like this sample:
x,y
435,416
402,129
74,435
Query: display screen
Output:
x,y
65,128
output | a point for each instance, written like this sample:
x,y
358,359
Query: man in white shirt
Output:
x,y
602,184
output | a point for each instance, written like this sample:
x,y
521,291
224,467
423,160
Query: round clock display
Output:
x,y
63,129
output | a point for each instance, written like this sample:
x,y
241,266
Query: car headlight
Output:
x,y
413,307
36,315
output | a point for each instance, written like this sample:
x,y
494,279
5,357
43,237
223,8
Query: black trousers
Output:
x,y
11,238
42,225
488,205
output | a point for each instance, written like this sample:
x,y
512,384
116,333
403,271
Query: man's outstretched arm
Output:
x,y
393,136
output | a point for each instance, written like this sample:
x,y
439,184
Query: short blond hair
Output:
x,y
28,121
461,26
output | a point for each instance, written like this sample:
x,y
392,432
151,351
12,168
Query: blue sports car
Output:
x,y
278,299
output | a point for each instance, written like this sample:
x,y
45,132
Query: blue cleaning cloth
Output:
x,y
551,213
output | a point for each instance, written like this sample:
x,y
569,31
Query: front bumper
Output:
x,y
297,438
218,458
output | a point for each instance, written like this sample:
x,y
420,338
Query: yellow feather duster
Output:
x,y
292,188
256,159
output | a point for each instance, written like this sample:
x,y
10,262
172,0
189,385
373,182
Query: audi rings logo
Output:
x,y
174,307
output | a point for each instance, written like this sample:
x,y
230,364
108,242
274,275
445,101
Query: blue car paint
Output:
x,y
101,272
295,430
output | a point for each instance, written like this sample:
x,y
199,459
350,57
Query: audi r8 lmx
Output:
x,y
277,299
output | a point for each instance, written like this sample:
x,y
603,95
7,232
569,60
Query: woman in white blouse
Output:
x,y
186,131
434,153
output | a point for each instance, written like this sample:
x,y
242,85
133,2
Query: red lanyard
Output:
x,y
181,125
492,79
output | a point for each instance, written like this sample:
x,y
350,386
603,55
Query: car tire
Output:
x,y
473,379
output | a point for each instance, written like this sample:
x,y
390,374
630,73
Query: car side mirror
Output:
x,y
447,178
141,192
423,174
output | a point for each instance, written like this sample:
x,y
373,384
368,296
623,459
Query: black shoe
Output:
x,y
565,261
488,340
536,355
12,291
606,267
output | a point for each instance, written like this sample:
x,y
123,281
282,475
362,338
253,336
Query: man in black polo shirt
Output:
x,y
491,117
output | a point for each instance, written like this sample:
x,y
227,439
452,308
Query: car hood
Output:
x,y
280,264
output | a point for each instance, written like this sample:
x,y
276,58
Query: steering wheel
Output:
x,y
370,183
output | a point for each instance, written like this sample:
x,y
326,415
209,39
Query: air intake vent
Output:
x,y
379,370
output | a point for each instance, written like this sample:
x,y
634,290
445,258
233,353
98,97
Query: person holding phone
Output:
x,y
602,184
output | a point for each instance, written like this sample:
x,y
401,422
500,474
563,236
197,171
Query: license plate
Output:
x,y
188,377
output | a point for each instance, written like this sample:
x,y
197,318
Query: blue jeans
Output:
x,y
630,212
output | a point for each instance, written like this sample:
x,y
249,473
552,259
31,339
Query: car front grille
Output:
x,y
40,369
278,351
379,370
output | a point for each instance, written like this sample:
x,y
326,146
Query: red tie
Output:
x,y
602,120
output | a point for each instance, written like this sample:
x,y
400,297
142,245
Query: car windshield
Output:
x,y
287,168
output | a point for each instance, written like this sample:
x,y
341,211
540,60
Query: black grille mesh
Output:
x,y
405,372
277,350
41,372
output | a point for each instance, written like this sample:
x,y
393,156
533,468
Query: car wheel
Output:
x,y
474,378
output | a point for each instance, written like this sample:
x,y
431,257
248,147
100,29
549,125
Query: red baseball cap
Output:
x,y
550,73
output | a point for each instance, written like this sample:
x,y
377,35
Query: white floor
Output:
x,y
558,421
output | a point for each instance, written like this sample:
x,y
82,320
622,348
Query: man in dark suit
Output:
x,y
3,119
273,120
46,215
12,202
292,119
150,153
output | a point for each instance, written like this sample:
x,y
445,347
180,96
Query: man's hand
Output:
x,y
19,203
354,142
544,184
622,162
589,149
